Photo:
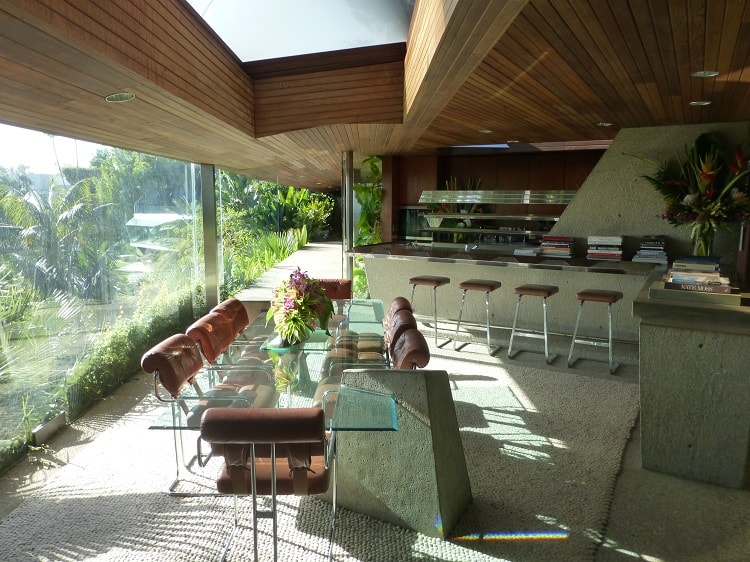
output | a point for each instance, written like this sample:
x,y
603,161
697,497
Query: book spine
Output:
x,y
688,277
699,287
694,267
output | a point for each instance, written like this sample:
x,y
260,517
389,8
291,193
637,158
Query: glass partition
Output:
x,y
100,258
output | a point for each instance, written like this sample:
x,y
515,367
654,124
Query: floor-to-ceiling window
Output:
x,y
100,257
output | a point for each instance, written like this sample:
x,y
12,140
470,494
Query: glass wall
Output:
x,y
100,258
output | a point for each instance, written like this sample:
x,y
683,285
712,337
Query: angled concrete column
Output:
x,y
415,477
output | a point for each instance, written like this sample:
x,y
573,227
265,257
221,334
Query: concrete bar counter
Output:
x,y
695,390
389,267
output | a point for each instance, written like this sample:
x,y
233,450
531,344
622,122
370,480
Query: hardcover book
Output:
x,y
657,291
701,287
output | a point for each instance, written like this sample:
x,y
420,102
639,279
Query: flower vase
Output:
x,y
703,239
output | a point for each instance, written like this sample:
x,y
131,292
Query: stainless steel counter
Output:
x,y
496,257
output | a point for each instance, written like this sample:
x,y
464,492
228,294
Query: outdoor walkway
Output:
x,y
322,260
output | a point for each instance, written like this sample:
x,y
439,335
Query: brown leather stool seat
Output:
x,y
595,295
482,285
433,281
532,290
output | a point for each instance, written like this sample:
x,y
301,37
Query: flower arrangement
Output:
x,y
704,190
297,305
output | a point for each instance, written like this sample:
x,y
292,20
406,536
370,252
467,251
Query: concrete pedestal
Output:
x,y
415,477
695,390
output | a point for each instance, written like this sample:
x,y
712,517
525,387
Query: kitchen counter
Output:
x,y
389,267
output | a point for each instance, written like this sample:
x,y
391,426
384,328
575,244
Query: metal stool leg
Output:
x,y
575,332
548,357
513,330
487,306
412,294
612,366
458,324
434,311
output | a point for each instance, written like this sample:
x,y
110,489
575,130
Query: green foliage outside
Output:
x,y
80,303
369,195
263,223
258,207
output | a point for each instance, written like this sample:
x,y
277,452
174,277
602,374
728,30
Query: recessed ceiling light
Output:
x,y
700,103
604,124
120,97
511,141
484,131
704,73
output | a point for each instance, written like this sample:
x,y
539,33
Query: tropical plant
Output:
x,y
297,305
313,214
703,190
63,243
242,265
278,208
369,195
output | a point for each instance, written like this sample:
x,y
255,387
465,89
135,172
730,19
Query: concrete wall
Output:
x,y
616,200
388,278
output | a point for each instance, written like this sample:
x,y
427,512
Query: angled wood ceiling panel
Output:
x,y
371,94
562,66
129,34
535,70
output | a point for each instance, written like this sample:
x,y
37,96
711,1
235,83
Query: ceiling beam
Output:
x,y
447,41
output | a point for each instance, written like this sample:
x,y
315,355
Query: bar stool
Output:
x,y
433,281
595,295
487,286
544,291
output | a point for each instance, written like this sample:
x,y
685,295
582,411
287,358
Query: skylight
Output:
x,y
267,29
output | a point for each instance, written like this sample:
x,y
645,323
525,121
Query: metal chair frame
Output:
x,y
329,439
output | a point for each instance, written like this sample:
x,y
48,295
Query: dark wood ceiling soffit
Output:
x,y
447,41
149,47
362,85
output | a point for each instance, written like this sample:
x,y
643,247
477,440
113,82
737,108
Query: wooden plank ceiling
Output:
x,y
536,71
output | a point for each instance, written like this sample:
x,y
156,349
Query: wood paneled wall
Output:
x,y
552,170
405,178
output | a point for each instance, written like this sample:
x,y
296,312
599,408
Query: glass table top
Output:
x,y
359,409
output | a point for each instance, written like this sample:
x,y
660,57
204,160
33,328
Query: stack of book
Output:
x,y
652,250
604,248
696,279
556,246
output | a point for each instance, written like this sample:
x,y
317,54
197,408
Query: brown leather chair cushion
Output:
x,y
399,303
214,332
410,351
252,395
317,477
400,322
235,312
175,361
299,434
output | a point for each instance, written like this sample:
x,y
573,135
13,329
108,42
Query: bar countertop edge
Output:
x,y
489,257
